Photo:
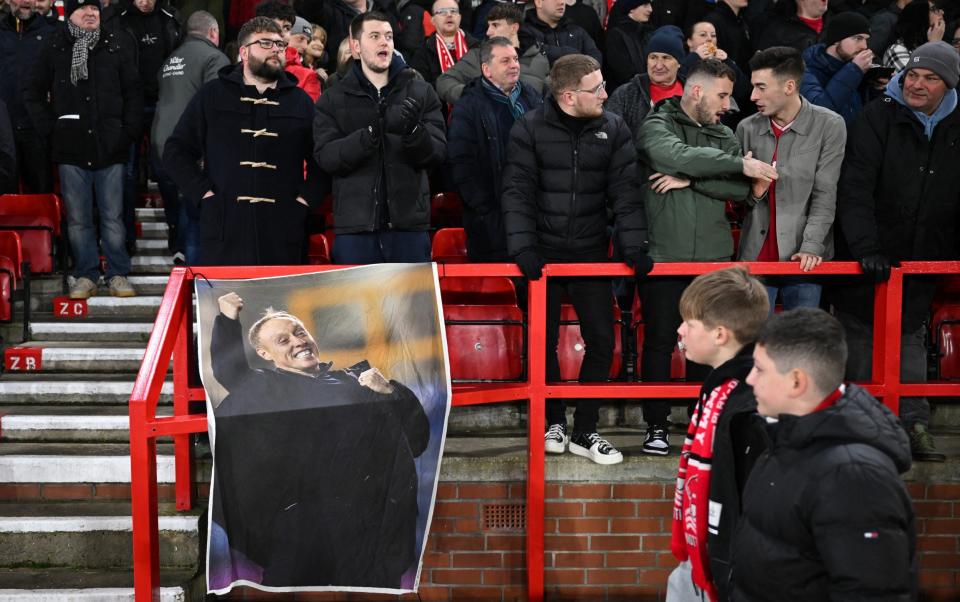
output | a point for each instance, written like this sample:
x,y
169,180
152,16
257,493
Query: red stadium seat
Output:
x,y
36,217
11,261
449,246
570,348
946,333
318,252
484,342
446,210
487,290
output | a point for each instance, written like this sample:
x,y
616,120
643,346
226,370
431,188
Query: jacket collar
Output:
x,y
671,106
552,114
234,75
802,124
542,25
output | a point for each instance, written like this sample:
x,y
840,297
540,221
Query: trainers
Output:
x,y
555,440
121,287
922,447
594,447
83,288
179,258
657,441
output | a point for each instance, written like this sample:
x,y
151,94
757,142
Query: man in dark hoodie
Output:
x,y
558,36
826,515
378,132
250,130
899,200
21,35
794,23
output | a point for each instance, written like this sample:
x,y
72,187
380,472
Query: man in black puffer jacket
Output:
x,y
825,513
378,133
556,33
565,163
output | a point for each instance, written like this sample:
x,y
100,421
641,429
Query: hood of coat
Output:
x,y
894,90
670,108
817,60
857,417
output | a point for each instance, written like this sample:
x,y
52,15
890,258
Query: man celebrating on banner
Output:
x,y
315,480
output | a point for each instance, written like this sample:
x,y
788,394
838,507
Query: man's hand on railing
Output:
x,y
808,261
878,266
230,305
530,264
641,264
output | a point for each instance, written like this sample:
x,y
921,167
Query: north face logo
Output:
x,y
601,135
916,59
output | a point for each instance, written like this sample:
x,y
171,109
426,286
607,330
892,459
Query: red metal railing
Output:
x,y
171,337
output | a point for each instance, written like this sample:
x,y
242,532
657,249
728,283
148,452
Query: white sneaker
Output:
x,y
555,440
595,447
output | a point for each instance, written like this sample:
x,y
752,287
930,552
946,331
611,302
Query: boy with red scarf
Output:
x,y
723,312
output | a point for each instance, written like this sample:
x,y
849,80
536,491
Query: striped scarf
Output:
x,y
83,44
691,503
459,49
513,100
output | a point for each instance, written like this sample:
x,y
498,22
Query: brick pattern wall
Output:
x,y
607,542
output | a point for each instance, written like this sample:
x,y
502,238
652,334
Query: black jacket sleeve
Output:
x,y
36,87
131,89
410,415
463,159
8,153
622,192
338,153
426,147
519,199
859,175
227,358
185,149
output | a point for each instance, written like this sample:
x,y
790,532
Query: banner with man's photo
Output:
x,y
327,397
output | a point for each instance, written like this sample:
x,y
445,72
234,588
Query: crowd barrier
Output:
x,y
172,334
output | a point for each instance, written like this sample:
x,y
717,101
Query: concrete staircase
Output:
x,y
65,527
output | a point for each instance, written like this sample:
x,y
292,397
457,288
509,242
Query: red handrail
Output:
x,y
172,332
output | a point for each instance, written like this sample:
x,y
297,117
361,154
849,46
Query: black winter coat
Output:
x,y
733,35
558,185
426,60
18,54
476,155
899,193
566,38
625,56
825,513
789,31
251,145
367,171
108,103
156,34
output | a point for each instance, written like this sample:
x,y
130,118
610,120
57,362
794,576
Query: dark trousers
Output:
x,y
381,247
660,301
33,162
592,299
131,178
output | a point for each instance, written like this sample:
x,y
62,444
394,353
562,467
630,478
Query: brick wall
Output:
x,y
609,542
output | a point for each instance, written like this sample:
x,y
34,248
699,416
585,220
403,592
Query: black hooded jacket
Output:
x,y
825,513
566,38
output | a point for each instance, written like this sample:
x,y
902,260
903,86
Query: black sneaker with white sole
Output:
x,y
594,447
657,441
555,440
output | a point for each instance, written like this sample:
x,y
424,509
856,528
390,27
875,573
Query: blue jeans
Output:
x,y
78,186
795,292
381,247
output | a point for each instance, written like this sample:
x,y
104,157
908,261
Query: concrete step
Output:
x,y
89,330
71,357
83,585
152,264
154,230
94,594
141,306
67,468
151,214
91,541
48,287
72,392
65,428
152,246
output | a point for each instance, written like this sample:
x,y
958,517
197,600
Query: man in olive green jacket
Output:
x,y
693,165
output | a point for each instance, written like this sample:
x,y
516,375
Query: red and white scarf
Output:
x,y
691,503
459,49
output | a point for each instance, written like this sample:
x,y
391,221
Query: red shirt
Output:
x,y
658,92
769,251
814,24
829,400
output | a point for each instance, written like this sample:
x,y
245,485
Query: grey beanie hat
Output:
x,y
302,26
938,57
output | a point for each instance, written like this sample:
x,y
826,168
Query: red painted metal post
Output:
x,y
143,496
880,299
183,466
891,341
536,377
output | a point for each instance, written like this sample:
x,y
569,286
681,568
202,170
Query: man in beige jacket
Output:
x,y
790,219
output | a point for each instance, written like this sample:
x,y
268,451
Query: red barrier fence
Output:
x,y
172,333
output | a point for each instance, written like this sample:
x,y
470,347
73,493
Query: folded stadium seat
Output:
x,y
948,292
570,348
485,290
36,217
12,278
449,246
318,252
946,337
446,210
484,342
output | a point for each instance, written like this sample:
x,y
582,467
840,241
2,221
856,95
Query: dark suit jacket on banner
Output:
x,y
315,479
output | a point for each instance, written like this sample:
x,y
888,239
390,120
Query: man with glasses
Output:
x,y
378,132
250,131
567,163
445,46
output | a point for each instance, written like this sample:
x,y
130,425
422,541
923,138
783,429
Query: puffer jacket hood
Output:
x,y
855,418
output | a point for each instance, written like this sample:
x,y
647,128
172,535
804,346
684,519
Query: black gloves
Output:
x,y
408,117
641,264
530,264
878,266
372,133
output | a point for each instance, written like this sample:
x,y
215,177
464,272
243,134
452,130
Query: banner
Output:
x,y
327,397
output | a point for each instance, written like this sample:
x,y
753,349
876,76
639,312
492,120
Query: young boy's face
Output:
x,y
698,342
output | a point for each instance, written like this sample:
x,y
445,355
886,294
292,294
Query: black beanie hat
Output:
x,y
71,5
844,26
